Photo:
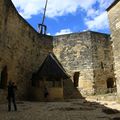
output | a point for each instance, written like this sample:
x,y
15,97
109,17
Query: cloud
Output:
x,y
64,31
97,19
98,23
93,18
48,33
104,3
27,8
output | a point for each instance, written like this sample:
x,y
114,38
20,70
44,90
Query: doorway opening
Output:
x,y
110,85
76,78
3,78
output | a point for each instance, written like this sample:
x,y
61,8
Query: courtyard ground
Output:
x,y
75,109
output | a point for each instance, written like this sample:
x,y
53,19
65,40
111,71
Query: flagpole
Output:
x,y
44,12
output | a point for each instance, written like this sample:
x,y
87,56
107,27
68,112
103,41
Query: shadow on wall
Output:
x,y
57,91
70,87
52,76
70,90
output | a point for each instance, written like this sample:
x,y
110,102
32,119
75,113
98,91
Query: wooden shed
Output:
x,y
50,76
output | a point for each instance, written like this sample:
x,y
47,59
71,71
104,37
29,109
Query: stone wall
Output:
x,y
85,52
22,49
114,19
74,53
102,57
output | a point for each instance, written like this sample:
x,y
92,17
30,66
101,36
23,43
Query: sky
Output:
x,y
66,16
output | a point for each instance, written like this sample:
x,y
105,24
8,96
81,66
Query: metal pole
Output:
x,y
44,12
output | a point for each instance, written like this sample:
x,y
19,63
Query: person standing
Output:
x,y
46,93
11,95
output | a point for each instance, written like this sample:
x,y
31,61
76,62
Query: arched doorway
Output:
x,y
4,77
76,78
110,85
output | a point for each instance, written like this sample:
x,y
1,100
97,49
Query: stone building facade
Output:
x,y
89,54
114,19
86,56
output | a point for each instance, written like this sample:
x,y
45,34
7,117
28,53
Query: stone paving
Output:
x,y
68,110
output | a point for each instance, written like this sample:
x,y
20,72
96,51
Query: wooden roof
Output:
x,y
51,68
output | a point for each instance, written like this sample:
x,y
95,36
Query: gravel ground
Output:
x,y
79,109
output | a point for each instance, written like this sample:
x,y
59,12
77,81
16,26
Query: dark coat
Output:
x,y
11,91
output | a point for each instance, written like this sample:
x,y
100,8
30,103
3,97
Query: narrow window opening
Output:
x,y
76,78
102,66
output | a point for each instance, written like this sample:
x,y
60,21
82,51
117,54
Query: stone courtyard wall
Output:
x,y
85,52
102,57
114,19
74,53
22,49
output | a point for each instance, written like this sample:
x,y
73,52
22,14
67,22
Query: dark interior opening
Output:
x,y
110,83
76,78
4,77
102,66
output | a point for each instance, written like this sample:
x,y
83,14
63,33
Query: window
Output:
x,y
3,78
106,54
56,83
76,78
102,66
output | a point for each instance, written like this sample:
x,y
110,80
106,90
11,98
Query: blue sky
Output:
x,y
66,16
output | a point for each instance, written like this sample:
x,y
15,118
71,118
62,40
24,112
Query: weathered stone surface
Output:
x,y
84,53
102,57
22,49
114,19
